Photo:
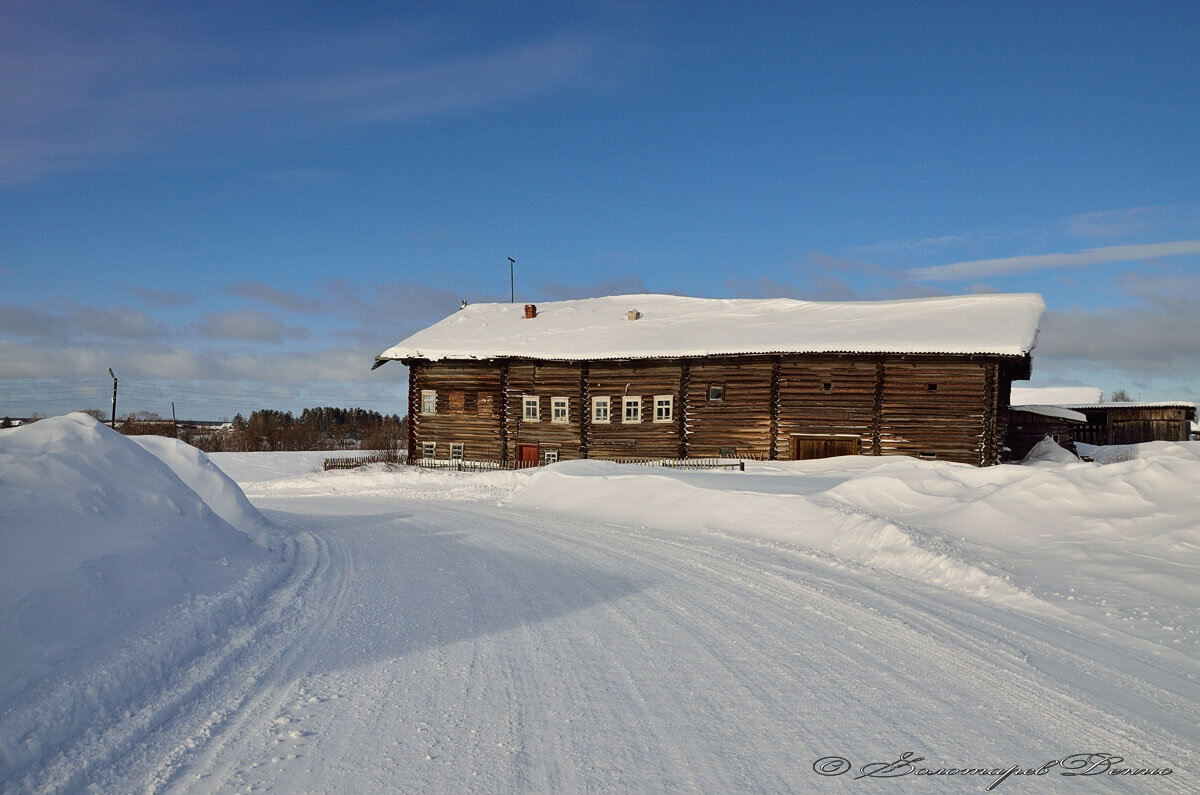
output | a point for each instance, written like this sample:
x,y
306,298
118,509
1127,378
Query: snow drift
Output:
x,y
1120,542
113,571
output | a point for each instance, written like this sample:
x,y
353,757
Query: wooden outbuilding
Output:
x,y
1135,422
655,376
1028,425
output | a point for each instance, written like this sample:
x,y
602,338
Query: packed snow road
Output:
x,y
441,646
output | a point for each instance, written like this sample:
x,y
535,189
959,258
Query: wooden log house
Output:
x,y
1115,422
653,376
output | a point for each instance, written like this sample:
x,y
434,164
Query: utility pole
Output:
x,y
112,422
174,421
512,283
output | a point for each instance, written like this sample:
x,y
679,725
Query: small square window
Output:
x,y
664,408
456,451
716,393
932,387
600,409
927,455
429,401
631,409
428,449
560,410
532,408
727,452
827,386
551,456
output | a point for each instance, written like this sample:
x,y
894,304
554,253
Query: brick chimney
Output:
x,y
530,311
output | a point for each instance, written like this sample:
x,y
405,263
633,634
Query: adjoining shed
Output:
x,y
1134,422
1028,425
658,376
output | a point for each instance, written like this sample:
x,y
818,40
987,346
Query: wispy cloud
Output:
x,y
974,269
1130,221
273,296
248,325
164,298
83,86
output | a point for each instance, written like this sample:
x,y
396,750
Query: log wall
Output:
x,y
884,403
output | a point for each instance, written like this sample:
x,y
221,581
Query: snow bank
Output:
x,y
213,486
1120,541
381,480
112,572
1049,452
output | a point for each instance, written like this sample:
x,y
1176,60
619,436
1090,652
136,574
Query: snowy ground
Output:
x,y
597,627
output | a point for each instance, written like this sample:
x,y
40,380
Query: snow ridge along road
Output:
x,y
459,646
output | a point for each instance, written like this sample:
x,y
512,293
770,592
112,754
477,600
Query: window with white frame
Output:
x,y
428,449
532,408
429,401
600,406
456,451
551,456
560,409
664,408
631,409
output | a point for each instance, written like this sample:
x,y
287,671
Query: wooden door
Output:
x,y
527,455
805,448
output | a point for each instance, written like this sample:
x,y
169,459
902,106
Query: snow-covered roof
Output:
x,y
671,325
1052,411
1055,395
1143,404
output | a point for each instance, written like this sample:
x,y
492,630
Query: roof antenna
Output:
x,y
512,289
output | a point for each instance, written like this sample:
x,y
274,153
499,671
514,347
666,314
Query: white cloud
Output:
x,y
974,269
249,325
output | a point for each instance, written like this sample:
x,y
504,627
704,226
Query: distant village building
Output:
x,y
656,376
1116,422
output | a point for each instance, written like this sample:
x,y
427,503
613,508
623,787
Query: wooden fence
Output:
x,y
374,457
398,457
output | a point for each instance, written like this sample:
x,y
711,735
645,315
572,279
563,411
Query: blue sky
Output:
x,y
238,205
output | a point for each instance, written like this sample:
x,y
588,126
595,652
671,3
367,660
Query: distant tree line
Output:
x,y
319,428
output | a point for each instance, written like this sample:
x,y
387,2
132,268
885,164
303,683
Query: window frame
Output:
x,y
670,401
429,450
565,403
626,402
526,402
607,403
721,397
549,457
432,395
462,451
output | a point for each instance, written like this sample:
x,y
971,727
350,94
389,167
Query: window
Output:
x,y
456,451
664,406
716,393
551,456
927,455
559,409
727,452
932,387
428,449
429,401
632,409
599,409
532,411
827,386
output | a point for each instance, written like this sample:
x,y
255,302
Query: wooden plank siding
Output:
x,y
545,381
741,419
468,409
882,403
1135,424
644,439
826,397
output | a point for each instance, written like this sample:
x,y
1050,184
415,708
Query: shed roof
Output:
x,y
671,325
1055,395
1135,404
1057,412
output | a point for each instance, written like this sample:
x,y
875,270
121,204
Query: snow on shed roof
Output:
x,y
1135,404
1052,411
670,325
1055,395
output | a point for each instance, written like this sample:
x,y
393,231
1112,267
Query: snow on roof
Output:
x,y
1135,404
1055,395
1052,411
670,325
